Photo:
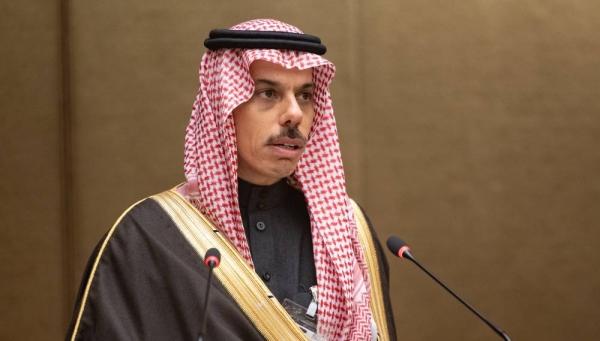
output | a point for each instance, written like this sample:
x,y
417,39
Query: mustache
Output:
x,y
292,133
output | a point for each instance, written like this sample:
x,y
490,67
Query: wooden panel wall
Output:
x,y
484,152
32,291
470,129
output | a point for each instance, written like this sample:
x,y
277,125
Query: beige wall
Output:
x,y
470,129
32,292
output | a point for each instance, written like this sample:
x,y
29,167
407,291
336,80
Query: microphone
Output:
x,y
400,249
211,260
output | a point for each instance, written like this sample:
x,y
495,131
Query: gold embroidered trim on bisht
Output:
x,y
377,302
239,279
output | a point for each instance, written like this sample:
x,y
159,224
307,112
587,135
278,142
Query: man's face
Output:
x,y
272,127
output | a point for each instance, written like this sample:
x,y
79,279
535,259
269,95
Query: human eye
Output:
x,y
306,96
266,94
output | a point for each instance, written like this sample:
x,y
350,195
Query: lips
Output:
x,y
287,146
288,143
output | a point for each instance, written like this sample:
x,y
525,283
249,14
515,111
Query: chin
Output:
x,y
284,172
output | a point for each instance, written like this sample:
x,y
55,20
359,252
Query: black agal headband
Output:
x,y
233,39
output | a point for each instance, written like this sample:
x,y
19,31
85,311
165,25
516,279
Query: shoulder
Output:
x,y
146,214
361,215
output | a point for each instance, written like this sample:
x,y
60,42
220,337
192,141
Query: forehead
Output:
x,y
261,69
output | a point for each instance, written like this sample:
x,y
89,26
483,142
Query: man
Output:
x,y
265,185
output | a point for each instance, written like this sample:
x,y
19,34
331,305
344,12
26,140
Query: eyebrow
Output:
x,y
279,85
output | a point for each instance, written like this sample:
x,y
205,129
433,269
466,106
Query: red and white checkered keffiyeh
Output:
x,y
211,168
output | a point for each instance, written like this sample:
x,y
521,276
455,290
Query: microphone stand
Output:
x,y
498,331
203,326
211,260
400,249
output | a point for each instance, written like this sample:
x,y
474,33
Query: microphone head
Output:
x,y
212,257
397,246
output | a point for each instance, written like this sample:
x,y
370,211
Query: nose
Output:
x,y
291,112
